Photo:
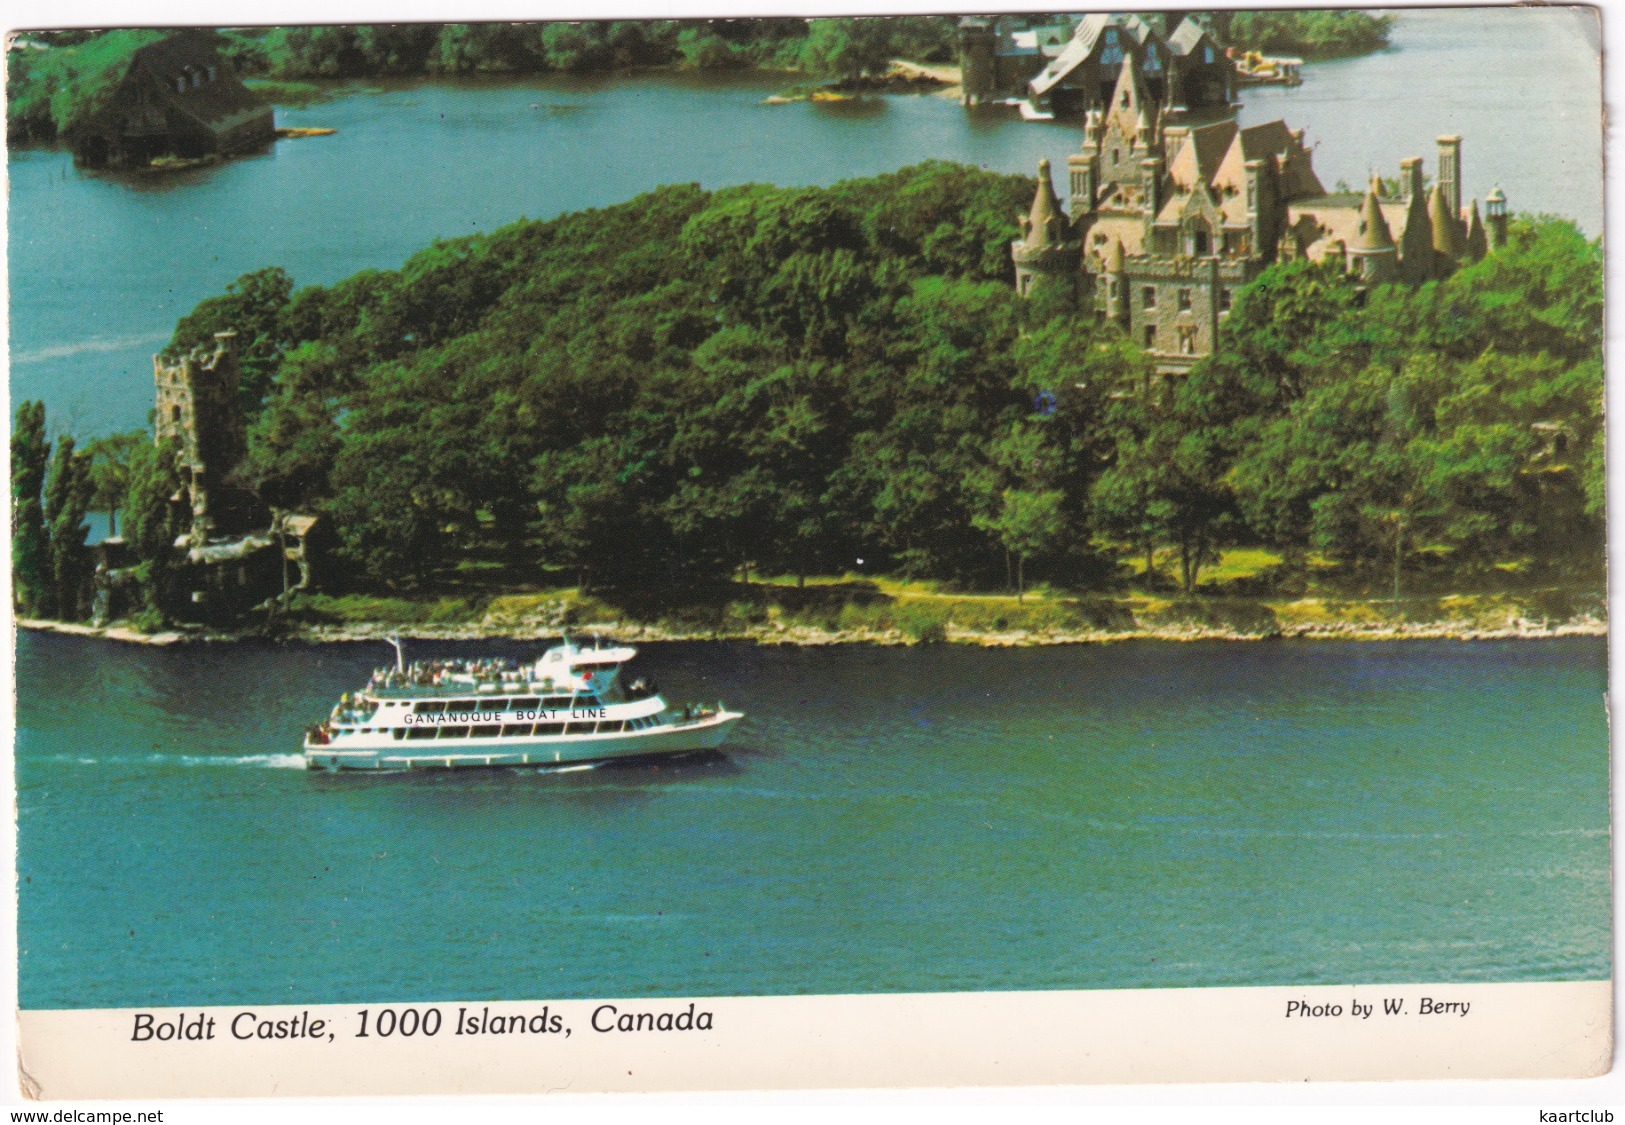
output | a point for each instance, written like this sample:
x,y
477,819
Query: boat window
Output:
x,y
516,730
428,708
399,733
553,702
525,702
494,706
420,734
486,732
621,726
453,732
463,705
549,728
587,701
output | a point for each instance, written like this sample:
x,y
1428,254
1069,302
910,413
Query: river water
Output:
x,y
926,819
101,267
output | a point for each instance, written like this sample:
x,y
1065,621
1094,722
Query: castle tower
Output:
x,y
1260,205
978,40
1478,243
1084,169
1047,248
1446,232
1450,172
1416,243
199,407
1130,131
1116,277
1373,254
1495,217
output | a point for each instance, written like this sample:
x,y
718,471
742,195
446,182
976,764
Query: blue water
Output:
x,y
936,818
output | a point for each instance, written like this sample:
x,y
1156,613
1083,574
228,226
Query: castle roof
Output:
x,y
1374,234
1446,227
191,77
1046,223
184,60
1198,159
1478,243
1075,54
1187,36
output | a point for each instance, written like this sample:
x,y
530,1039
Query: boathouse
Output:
x,y
178,97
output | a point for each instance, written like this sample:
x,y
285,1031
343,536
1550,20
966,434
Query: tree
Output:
x,y
110,459
153,521
68,492
252,307
30,538
847,48
1167,479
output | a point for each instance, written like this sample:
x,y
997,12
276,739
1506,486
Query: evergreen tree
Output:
x,y
30,539
68,493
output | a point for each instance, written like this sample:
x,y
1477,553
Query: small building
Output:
x,y
179,97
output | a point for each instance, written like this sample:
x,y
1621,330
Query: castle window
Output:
x,y
1201,243
1184,300
175,414
1150,336
1224,299
1117,155
1148,297
1207,55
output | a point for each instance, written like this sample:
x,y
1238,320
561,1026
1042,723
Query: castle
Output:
x,y
235,554
1175,206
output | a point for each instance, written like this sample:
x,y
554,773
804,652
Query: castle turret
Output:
x,y
1478,243
1047,247
1446,232
1416,243
1373,253
1495,217
1116,278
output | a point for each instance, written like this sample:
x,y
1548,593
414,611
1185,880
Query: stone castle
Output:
x,y
236,553
1174,206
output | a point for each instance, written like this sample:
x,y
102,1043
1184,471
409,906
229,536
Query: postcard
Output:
x,y
784,553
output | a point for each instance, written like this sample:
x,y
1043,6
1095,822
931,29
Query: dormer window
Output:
x,y
1207,55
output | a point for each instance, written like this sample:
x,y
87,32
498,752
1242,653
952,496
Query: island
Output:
x,y
820,414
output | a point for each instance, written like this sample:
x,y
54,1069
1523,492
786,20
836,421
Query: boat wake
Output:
x,y
263,761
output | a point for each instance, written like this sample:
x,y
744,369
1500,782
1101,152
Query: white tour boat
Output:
x,y
569,706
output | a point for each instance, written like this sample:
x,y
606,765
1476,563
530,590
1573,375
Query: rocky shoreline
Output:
x,y
1464,628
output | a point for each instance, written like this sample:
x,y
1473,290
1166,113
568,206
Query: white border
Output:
x,y
1475,1101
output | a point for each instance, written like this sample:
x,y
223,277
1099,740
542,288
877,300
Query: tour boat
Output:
x,y
571,705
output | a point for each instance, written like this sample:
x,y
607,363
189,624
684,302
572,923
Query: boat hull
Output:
x,y
485,753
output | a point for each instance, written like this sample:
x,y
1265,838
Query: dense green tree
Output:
x,y
110,459
68,493
693,384
847,48
251,307
30,536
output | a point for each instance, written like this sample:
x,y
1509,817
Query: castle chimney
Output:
x,y
1450,172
